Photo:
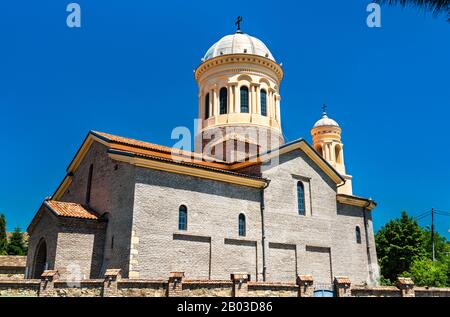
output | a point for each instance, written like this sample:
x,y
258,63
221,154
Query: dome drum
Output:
x,y
239,82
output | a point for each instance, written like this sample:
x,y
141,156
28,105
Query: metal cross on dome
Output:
x,y
238,23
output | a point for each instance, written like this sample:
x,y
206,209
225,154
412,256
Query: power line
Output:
x,y
423,217
422,212
426,213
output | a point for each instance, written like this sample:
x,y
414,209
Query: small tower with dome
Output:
x,y
239,99
326,135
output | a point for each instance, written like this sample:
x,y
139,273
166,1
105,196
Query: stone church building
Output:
x,y
242,201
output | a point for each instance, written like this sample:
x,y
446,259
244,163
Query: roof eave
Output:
x,y
183,168
357,201
310,151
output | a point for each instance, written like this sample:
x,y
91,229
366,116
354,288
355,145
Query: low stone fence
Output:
x,y
19,288
141,288
432,292
113,285
380,291
12,267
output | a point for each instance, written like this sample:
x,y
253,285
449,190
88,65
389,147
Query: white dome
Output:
x,y
325,121
238,43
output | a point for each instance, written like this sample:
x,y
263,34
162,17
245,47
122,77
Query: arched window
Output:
x,y
242,225
89,184
223,96
301,198
182,218
319,150
337,153
207,106
263,102
358,235
244,99
275,107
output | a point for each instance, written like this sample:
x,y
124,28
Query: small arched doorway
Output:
x,y
40,259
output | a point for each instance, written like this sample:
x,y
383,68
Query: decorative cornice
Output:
x,y
214,73
243,123
239,58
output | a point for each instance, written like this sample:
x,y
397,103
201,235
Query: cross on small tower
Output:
x,y
324,108
238,24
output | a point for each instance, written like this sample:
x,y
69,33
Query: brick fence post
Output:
x,y
342,286
46,287
240,284
305,285
175,285
112,277
406,286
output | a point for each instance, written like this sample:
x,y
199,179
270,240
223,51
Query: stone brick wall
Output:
x,y
79,242
142,237
111,192
211,246
353,260
47,229
80,248
322,243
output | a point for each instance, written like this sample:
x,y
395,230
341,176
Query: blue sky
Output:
x,y
129,71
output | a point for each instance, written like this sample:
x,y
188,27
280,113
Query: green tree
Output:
x,y
446,262
428,273
399,243
441,245
16,244
3,239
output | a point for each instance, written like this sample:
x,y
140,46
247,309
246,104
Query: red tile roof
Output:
x,y
137,143
405,281
71,210
342,280
155,151
199,164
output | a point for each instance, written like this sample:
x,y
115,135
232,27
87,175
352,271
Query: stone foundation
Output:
x,y
175,285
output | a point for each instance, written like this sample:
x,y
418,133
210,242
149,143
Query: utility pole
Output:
x,y
432,233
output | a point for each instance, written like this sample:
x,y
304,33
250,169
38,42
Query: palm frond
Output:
x,y
434,6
